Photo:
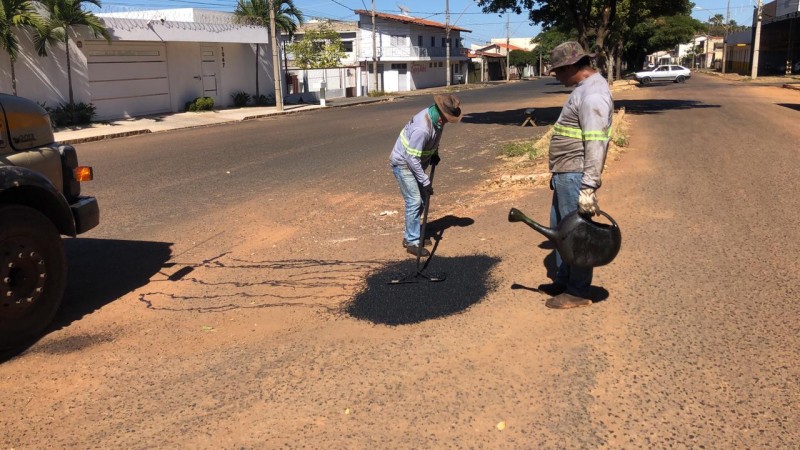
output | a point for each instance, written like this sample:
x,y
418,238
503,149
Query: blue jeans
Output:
x,y
566,188
410,189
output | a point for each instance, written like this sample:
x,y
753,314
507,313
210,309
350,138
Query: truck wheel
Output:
x,y
32,274
646,81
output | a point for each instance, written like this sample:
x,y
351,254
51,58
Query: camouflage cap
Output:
x,y
567,54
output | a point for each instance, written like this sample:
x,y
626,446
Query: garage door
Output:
x,y
128,80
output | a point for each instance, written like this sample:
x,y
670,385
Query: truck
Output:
x,y
40,200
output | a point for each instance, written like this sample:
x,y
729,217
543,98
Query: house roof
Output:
x,y
335,25
509,46
411,20
479,53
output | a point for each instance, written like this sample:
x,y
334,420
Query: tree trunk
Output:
x,y
13,77
258,92
69,80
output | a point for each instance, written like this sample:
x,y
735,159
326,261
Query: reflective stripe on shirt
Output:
x,y
414,151
577,133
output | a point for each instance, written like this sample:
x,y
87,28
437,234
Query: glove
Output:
x,y
427,190
587,202
435,159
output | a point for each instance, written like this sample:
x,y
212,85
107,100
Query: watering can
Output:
x,y
580,241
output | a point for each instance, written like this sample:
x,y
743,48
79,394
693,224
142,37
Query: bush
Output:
x,y
200,104
66,114
240,98
264,100
519,148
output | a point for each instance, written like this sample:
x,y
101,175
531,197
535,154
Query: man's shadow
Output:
x,y
435,229
596,293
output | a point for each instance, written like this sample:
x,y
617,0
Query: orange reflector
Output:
x,y
83,173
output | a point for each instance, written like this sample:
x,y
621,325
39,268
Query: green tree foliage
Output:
x,y
63,16
662,33
320,48
15,14
547,40
256,13
601,25
522,58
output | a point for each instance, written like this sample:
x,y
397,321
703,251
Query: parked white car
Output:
x,y
669,72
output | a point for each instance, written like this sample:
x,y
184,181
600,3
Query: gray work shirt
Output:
x,y
582,131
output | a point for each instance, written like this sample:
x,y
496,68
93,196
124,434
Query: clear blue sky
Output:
x,y
464,13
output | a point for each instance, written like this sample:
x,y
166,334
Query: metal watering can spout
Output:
x,y
579,240
516,215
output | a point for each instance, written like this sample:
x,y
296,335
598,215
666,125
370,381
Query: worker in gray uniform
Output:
x,y
416,148
577,155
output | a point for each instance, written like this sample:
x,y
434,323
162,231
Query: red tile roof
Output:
x,y
409,19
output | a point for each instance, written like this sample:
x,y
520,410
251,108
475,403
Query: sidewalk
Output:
x,y
173,121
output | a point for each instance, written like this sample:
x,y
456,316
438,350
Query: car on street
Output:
x,y
669,72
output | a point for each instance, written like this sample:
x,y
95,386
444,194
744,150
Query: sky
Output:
x,y
463,13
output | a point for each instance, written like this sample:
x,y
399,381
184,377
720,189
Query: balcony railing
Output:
x,y
412,51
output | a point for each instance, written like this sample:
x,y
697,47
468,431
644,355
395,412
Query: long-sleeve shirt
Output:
x,y
417,143
582,131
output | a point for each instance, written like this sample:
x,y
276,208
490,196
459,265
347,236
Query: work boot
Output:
x,y
553,288
566,301
413,249
426,243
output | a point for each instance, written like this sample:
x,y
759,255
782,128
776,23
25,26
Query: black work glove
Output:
x,y
435,159
427,190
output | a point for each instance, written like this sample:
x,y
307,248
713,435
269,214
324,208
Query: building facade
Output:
x,y
410,53
156,62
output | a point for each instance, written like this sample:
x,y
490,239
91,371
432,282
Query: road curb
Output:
x,y
105,136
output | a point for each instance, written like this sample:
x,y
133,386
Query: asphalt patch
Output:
x,y
467,283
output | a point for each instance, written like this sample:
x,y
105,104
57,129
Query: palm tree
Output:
x,y
63,16
15,14
256,13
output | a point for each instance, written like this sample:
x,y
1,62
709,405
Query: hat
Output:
x,y
567,54
448,105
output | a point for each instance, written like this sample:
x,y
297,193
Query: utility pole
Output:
x,y
374,51
725,39
447,38
508,49
276,62
756,43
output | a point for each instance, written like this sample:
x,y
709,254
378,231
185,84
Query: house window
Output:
x,y
399,66
441,64
399,40
347,46
444,42
455,68
419,41
433,41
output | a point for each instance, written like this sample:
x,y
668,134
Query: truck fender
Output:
x,y
22,186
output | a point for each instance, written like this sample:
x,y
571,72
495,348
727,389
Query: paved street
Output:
x,y
235,296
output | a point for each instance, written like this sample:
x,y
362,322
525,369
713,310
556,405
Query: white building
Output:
x,y
156,62
410,52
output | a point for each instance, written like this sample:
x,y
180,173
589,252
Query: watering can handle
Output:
x,y
613,222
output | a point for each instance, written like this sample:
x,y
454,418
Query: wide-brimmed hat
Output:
x,y
567,54
448,105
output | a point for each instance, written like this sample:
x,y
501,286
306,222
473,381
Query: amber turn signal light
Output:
x,y
83,173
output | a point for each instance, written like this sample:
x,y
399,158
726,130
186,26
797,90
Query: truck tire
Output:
x,y
32,274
